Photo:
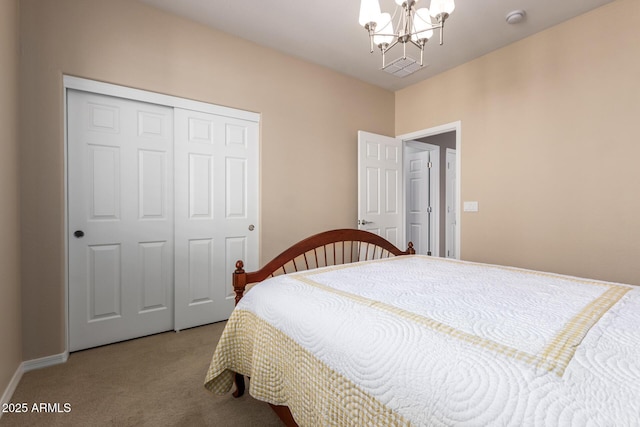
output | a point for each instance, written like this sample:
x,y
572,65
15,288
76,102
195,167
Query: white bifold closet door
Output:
x,y
162,201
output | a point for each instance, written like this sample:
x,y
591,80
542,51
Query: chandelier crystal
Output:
x,y
412,25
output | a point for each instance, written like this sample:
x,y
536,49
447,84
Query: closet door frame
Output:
x,y
77,83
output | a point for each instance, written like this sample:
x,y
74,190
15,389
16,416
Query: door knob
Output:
x,y
78,233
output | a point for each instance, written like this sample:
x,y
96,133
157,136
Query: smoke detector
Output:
x,y
515,16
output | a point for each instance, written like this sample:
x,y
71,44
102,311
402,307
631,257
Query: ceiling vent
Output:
x,y
402,67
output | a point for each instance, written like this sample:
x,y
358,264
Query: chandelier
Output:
x,y
413,25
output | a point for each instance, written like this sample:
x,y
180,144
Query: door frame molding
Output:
x,y
448,151
102,88
436,130
126,92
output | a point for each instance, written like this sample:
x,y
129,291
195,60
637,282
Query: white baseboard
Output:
x,y
44,362
8,392
27,366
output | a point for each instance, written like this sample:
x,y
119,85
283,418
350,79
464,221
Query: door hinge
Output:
x,y
429,165
429,209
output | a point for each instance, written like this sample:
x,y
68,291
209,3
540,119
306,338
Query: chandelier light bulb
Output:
x,y
384,31
369,12
422,26
442,7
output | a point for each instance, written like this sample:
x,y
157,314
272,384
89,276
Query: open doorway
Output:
x,y
438,201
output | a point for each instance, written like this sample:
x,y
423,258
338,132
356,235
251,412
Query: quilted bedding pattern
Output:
x,y
416,340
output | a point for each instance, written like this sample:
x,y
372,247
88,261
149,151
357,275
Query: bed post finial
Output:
x,y
239,280
410,249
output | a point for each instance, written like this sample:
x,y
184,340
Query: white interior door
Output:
x,y
451,211
120,195
418,199
380,186
216,181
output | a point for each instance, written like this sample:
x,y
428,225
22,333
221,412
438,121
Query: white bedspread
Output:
x,y
445,342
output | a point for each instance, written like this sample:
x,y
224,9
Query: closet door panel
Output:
x,y
120,219
216,182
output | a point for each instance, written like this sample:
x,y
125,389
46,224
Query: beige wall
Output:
x,y
310,117
550,145
10,320
549,129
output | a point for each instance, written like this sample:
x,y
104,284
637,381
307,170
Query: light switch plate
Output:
x,y
471,206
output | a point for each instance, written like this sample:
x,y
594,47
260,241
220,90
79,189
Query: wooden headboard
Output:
x,y
332,247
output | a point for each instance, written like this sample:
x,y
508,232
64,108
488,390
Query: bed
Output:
x,y
346,329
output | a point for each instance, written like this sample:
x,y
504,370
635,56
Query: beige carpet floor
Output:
x,y
152,381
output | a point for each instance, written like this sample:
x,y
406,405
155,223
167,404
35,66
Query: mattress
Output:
x,y
416,340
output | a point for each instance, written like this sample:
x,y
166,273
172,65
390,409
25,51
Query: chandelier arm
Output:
x,y
421,47
386,34
442,17
418,45
433,27
370,27
389,46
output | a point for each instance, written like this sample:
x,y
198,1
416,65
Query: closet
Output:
x,y
162,199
